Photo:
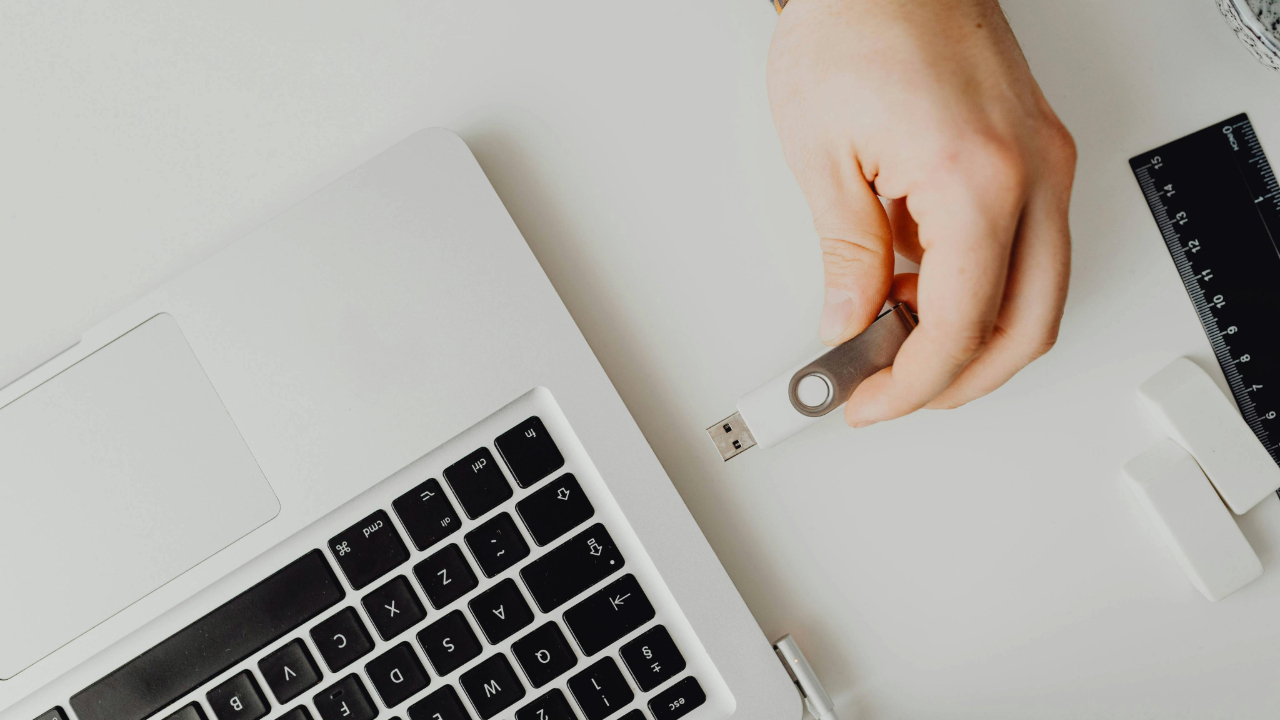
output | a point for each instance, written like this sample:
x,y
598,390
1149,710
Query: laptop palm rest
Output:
x,y
116,476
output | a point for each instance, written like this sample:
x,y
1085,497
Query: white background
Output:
x,y
985,562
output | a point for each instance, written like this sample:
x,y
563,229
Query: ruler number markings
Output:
x,y
1206,192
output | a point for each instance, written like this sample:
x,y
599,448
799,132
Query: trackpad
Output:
x,y
116,476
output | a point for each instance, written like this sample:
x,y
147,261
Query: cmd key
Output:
x,y
369,549
582,561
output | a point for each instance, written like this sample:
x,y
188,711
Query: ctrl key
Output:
x,y
678,700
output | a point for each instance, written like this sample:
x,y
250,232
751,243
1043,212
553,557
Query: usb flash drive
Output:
x,y
795,399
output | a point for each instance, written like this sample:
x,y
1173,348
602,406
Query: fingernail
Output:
x,y
837,308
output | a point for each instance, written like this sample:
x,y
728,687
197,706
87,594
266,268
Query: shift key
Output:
x,y
582,561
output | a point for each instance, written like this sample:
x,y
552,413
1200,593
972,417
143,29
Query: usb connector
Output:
x,y
731,436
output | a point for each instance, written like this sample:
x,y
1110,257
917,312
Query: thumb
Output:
x,y
857,250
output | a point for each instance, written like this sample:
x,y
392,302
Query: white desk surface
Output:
x,y
985,562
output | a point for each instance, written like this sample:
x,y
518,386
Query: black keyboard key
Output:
x,y
582,561
497,544
394,607
443,704
478,483
187,712
633,715
238,698
427,514
345,700
397,674
678,700
608,614
289,671
369,549
544,654
652,658
552,706
57,714
194,655
445,576
492,686
299,713
501,611
449,643
600,689
342,639
555,510
529,451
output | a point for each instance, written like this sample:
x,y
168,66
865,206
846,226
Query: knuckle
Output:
x,y
843,256
1003,165
1042,342
1068,142
960,345
988,163
1060,146
1030,344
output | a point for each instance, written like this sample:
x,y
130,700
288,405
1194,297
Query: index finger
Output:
x,y
966,230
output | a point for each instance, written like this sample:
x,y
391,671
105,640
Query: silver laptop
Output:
x,y
360,464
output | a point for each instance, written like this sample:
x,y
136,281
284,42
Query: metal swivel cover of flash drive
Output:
x,y
796,399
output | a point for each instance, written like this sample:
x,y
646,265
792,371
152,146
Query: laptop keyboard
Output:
x,y
494,587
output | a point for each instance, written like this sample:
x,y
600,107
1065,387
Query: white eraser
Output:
x,y
1194,412
1192,520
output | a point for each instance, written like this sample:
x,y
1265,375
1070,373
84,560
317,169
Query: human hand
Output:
x,y
930,105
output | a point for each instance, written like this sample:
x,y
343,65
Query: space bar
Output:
x,y
197,653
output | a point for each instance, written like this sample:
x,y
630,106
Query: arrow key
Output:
x,y
609,614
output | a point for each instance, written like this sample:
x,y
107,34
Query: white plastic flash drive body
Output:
x,y
796,399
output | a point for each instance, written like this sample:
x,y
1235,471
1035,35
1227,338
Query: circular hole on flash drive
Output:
x,y
813,390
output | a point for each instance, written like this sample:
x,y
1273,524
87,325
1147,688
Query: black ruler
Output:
x,y
1218,207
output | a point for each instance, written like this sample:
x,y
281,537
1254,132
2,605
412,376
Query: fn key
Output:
x,y
529,451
